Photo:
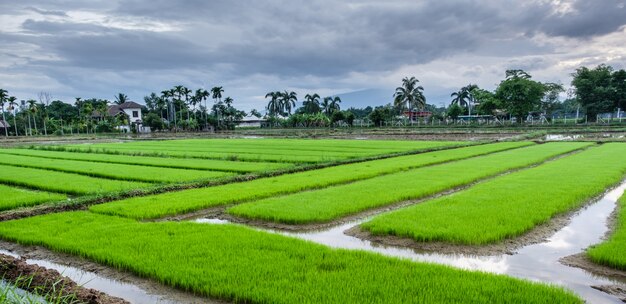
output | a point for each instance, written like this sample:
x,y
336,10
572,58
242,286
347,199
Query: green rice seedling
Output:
x,y
335,202
112,171
160,205
164,162
275,150
62,182
11,198
510,205
243,265
612,251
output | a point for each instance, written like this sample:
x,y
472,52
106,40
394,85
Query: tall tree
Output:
x,y
13,106
520,94
288,101
594,90
311,104
203,95
120,98
273,105
410,95
3,99
44,100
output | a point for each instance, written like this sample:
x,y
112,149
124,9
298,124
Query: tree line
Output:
x,y
593,91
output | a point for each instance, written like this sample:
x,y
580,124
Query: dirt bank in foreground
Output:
x,y
48,281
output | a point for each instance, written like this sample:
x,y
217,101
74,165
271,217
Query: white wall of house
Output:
x,y
134,114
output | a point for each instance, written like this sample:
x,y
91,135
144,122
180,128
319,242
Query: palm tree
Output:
x,y
331,104
311,103
120,98
217,93
203,95
186,91
409,95
79,105
3,99
288,101
464,97
460,98
13,106
273,106
32,109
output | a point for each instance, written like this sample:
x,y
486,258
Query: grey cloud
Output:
x,y
47,12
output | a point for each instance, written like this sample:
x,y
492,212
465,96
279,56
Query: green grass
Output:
x,y
274,150
112,171
335,202
62,182
242,265
160,205
164,162
11,198
510,205
612,252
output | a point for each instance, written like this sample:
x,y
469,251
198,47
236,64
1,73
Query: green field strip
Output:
x,y
242,265
112,171
267,153
335,202
172,203
612,252
62,182
510,205
11,197
164,162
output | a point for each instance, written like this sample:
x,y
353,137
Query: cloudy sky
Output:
x,y
358,49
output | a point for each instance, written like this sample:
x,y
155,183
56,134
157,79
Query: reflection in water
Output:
x,y
538,262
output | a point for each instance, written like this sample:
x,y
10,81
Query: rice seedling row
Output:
x,y
164,162
611,252
269,153
239,264
11,197
335,202
172,203
510,205
62,182
112,171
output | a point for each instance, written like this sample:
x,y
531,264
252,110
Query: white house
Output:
x,y
251,121
132,111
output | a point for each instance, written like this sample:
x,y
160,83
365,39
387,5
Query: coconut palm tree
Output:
x,y
464,97
203,95
120,98
311,103
288,101
330,104
3,98
410,95
13,106
217,93
32,111
273,106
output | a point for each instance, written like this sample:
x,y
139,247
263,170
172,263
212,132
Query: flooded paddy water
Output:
x,y
536,262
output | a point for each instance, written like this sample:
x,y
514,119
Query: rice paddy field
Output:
x,y
262,220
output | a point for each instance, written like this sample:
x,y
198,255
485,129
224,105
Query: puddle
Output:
x,y
126,291
562,137
12,294
538,262
210,221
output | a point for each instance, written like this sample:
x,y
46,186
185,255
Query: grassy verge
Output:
x,y
242,265
11,198
612,251
185,201
163,162
331,203
510,205
62,182
112,171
